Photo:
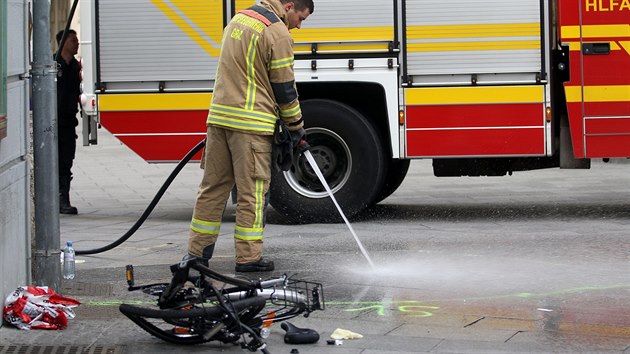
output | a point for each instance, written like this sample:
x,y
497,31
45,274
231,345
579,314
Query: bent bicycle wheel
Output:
x,y
283,303
197,324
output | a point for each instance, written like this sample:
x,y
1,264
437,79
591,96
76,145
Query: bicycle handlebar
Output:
x,y
282,281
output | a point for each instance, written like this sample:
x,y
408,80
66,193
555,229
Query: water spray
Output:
x,y
309,157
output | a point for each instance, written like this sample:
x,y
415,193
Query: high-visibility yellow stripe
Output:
x,y
240,124
596,31
243,113
613,93
474,31
472,46
154,102
260,203
282,63
205,227
248,233
290,112
474,95
188,18
251,73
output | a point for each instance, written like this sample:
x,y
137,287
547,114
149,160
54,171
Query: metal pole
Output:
x,y
46,254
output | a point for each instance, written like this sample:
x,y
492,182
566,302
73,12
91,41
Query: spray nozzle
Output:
x,y
302,146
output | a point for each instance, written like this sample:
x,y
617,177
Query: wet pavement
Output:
x,y
534,262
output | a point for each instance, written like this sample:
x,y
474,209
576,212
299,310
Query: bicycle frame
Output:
x,y
201,312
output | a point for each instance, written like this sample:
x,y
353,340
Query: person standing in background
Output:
x,y
68,91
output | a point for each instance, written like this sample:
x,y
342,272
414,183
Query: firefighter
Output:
x,y
68,91
255,86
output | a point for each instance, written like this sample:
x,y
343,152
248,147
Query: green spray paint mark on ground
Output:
x,y
381,307
412,308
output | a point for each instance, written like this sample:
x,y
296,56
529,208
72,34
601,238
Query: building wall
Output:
x,y
15,223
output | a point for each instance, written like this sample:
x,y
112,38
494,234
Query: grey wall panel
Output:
x,y
14,193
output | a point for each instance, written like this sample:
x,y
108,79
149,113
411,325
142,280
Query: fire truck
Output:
x,y
483,88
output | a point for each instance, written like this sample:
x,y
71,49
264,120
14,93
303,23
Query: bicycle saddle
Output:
x,y
296,335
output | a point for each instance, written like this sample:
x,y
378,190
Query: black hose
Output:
x,y
151,206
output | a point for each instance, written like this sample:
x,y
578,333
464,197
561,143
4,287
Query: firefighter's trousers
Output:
x,y
232,157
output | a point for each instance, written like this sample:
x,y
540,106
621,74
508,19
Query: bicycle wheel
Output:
x,y
197,324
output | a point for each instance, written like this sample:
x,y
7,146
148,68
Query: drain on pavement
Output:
x,y
59,349
86,289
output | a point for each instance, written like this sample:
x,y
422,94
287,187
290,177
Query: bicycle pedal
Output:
x,y
129,275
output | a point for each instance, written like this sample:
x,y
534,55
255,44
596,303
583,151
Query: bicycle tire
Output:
x,y
140,314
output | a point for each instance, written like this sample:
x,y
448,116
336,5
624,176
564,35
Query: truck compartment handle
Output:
x,y
602,48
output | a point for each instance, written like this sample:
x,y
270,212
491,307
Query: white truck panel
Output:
x,y
456,37
353,13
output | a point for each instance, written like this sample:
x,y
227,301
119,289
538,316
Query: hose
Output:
x,y
151,206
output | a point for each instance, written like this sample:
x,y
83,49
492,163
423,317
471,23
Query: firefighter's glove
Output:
x,y
298,140
297,136
282,152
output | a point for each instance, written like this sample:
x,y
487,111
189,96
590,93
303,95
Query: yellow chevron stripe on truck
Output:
x,y
194,18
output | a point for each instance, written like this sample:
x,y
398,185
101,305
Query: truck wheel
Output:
x,y
396,172
349,153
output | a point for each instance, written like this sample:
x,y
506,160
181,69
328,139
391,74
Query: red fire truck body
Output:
x,y
482,88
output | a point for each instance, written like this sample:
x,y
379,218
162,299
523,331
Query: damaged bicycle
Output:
x,y
200,305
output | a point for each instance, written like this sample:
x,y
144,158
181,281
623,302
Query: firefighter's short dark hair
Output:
x,y
60,34
301,4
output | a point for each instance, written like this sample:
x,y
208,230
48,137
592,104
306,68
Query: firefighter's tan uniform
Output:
x,y
255,86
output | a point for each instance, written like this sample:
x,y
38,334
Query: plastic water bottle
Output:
x,y
264,332
68,261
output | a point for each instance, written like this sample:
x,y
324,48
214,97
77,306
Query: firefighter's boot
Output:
x,y
180,276
201,281
64,196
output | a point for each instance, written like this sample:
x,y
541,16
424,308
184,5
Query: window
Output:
x,y
3,69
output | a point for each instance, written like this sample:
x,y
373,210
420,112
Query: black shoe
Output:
x,y
64,204
68,209
261,265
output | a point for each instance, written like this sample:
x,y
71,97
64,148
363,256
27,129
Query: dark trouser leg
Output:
x,y
67,145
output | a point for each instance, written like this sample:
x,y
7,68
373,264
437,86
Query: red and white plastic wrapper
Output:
x,y
38,307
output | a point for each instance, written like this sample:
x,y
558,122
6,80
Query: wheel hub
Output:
x,y
325,159
333,158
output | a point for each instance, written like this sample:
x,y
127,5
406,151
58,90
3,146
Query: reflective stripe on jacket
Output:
x,y
255,82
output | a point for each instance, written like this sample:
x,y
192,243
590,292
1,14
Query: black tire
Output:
x,y
348,151
396,173
159,322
